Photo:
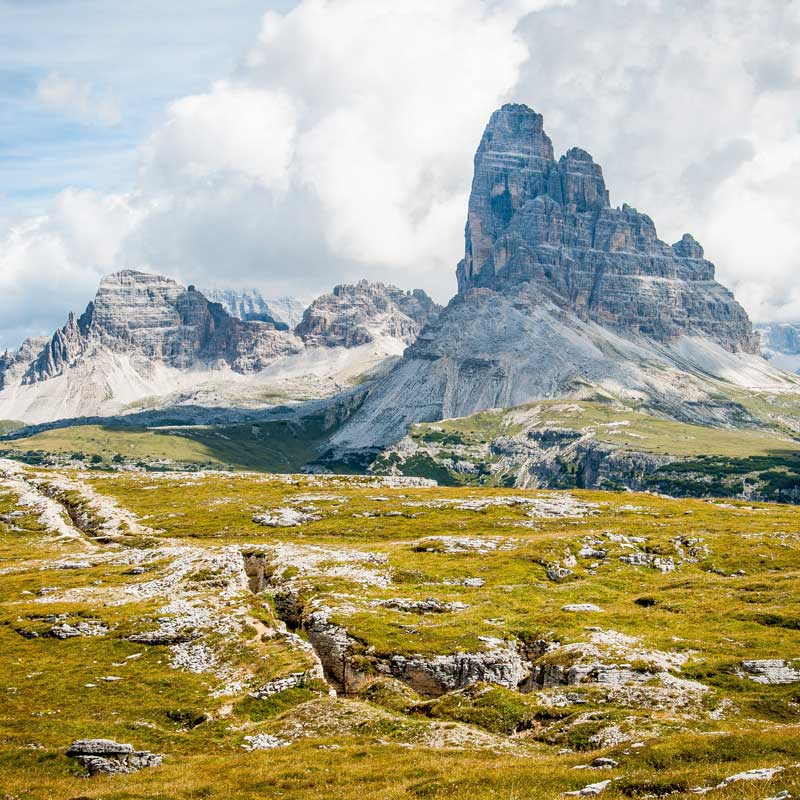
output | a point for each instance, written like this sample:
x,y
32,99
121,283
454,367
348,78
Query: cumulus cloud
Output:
x,y
340,148
341,145
54,262
77,100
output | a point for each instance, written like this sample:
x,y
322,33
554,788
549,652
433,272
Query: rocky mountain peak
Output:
x,y
688,247
355,314
515,130
534,219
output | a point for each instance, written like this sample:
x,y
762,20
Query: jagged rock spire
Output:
x,y
534,219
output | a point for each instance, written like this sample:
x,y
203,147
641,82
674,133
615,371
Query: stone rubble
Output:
x,y
263,741
430,605
592,790
772,672
763,774
286,517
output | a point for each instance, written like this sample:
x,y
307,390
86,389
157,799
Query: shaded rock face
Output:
x,y
104,756
532,218
155,319
359,313
781,337
13,365
501,663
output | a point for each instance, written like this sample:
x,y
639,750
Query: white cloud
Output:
x,y
341,146
350,125
77,100
54,261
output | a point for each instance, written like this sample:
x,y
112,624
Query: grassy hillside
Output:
x,y
278,446
489,448
613,424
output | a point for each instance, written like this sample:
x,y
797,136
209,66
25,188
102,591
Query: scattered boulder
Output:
x,y
591,790
263,741
763,774
285,517
105,756
663,564
578,607
67,630
771,671
290,681
430,605
556,572
604,762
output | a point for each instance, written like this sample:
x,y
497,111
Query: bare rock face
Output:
x,y
14,365
534,219
772,671
104,756
158,318
153,318
359,313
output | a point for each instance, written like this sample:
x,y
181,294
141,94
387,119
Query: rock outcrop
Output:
x,y
359,313
153,318
104,756
532,218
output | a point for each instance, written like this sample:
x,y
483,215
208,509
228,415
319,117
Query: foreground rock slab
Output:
x,y
107,757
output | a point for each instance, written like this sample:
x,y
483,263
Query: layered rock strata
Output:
x,y
153,318
532,218
359,313
561,295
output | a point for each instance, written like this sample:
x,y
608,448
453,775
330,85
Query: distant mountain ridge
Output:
x,y
780,343
251,305
146,338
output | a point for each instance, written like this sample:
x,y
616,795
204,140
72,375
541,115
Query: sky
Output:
x,y
291,145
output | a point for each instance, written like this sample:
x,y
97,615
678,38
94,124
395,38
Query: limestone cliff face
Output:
x,y
534,219
153,318
359,313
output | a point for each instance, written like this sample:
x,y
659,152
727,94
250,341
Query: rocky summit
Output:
x,y
154,318
534,219
357,314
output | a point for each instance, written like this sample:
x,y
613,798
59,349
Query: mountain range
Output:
x,y
561,297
